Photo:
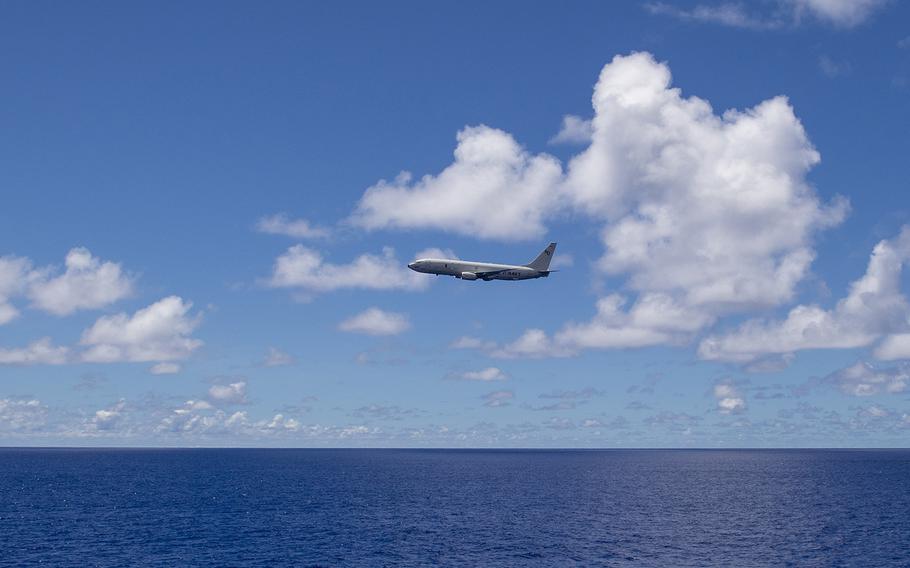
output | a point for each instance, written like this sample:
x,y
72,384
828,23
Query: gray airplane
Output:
x,y
469,270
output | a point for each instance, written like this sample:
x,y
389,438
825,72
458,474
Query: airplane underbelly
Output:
x,y
512,275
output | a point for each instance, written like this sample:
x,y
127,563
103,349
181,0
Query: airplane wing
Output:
x,y
490,273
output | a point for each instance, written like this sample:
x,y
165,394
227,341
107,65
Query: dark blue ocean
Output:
x,y
116,507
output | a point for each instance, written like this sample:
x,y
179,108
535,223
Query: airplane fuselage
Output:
x,y
469,270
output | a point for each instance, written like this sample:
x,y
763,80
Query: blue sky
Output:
x,y
205,224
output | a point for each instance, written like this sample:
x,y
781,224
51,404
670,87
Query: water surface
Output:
x,y
114,507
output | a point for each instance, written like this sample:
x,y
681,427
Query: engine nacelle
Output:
x,y
468,276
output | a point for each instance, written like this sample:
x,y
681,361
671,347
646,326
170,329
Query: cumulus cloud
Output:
x,y
714,210
87,283
40,352
281,423
532,343
304,269
233,393
22,415
374,321
14,275
863,379
493,189
275,357
159,332
575,130
894,346
704,214
873,307
108,419
199,418
281,224
729,399
655,319
485,375
192,417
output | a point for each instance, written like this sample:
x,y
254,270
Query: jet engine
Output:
x,y
468,276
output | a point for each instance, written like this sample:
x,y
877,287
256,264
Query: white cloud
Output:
x,y
705,214
7,313
108,419
562,260
159,332
575,130
498,399
714,210
22,415
873,411
862,379
873,307
493,189
198,418
281,224
434,252
729,400
726,13
839,13
895,346
304,268
374,321
193,417
655,319
168,368
275,357
532,343
87,283
280,422
14,275
40,352
233,393
843,13
469,342
486,375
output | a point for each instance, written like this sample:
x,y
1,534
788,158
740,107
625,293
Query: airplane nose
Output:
x,y
412,265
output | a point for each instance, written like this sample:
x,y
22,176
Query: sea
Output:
x,y
485,508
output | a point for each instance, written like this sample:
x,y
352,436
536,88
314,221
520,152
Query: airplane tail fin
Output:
x,y
542,262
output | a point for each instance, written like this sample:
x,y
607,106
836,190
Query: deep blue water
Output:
x,y
470,508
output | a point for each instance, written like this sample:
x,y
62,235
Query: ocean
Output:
x,y
252,507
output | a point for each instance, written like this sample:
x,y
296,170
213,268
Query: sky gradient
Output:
x,y
208,208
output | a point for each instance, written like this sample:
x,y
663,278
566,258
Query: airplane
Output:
x,y
469,270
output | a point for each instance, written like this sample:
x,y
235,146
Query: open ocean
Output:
x,y
244,507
